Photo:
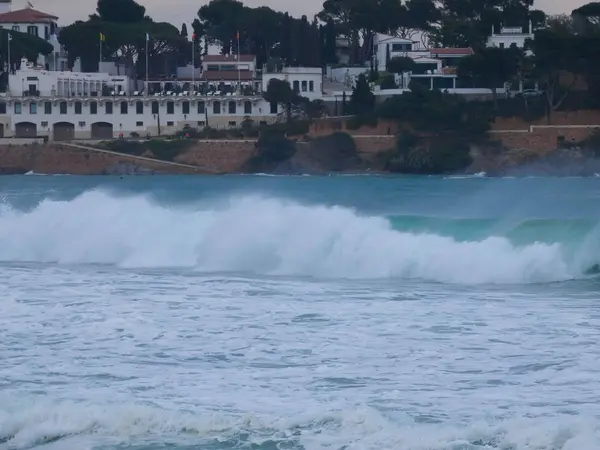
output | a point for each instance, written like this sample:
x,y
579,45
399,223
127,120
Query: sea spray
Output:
x,y
266,236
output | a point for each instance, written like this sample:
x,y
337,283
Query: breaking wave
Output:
x,y
62,425
277,237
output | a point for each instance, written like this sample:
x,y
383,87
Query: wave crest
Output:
x,y
265,236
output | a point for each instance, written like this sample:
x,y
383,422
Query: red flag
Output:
x,y
194,37
238,36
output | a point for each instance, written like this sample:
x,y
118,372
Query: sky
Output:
x,y
180,11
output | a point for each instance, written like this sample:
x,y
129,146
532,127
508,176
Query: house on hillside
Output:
x,y
228,73
508,36
36,23
305,81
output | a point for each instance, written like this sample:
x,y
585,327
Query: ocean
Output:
x,y
264,313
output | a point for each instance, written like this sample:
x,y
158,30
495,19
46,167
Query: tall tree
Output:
x,y
119,11
469,23
554,55
329,42
280,92
490,67
184,32
124,25
362,100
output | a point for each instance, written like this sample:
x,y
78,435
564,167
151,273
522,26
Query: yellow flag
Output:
x,y
102,37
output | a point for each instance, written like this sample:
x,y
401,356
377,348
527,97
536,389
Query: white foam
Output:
x,y
261,235
361,428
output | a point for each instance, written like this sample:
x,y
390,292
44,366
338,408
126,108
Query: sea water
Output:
x,y
299,313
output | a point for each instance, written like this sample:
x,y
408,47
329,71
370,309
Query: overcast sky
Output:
x,y
179,11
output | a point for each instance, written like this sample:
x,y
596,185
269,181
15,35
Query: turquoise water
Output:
x,y
347,312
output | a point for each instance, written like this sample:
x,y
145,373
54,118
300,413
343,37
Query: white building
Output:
x,y
385,47
36,23
509,36
306,81
33,81
76,105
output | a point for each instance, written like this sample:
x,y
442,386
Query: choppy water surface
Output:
x,y
299,313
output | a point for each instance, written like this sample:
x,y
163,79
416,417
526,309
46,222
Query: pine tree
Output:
x,y
286,40
184,32
329,47
362,100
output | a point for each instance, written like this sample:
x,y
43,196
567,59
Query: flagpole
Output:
x,y
100,59
193,62
147,88
8,62
238,63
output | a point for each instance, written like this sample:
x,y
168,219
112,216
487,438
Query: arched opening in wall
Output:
x,y
63,131
25,130
102,130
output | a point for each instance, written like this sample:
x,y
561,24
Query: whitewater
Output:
x,y
353,313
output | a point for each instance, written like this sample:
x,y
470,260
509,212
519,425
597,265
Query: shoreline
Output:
x,y
564,149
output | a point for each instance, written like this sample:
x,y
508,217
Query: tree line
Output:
x,y
271,34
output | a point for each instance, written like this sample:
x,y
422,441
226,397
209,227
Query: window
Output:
x,y
296,86
139,107
124,107
44,124
501,44
17,107
2,108
229,67
47,32
212,67
304,86
155,107
311,86
231,107
200,107
185,107
401,47
170,124
93,108
81,124
217,108
139,124
232,123
78,108
62,107
33,30
247,107
16,28
201,123
47,108
170,108
273,108
108,108
33,108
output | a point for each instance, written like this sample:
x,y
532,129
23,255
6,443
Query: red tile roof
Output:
x,y
451,51
228,58
227,75
27,15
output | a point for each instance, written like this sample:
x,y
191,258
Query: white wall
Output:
x,y
42,28
170,120
346,75
51,83
232,60
307,81
509,36
57,59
